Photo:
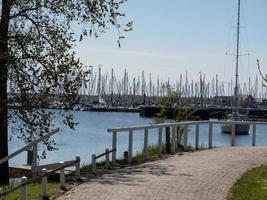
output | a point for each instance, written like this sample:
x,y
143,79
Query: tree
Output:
x,y
172,110
264,77
37,61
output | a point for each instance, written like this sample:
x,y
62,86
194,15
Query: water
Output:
x,y
91,137
219,139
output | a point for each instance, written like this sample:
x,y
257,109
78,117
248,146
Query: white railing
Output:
x,y
174,127
43,176
95,157
32,145
42,171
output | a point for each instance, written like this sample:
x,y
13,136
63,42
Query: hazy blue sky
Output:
x,y
174,36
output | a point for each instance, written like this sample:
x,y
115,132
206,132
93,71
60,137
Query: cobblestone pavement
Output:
x,y
202,175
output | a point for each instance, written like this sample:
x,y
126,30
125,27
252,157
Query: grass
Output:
x,y
138,157
251,186
34,191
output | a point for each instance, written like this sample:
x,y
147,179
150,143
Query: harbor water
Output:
x,y
91,137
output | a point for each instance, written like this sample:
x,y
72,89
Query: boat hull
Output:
x,y
240,129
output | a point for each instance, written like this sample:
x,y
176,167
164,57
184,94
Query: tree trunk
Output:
x,y
168,140
4,22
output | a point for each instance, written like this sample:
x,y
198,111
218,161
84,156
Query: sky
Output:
x,y
171,37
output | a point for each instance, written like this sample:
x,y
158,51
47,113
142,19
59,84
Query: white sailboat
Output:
x,y
101,100
236,115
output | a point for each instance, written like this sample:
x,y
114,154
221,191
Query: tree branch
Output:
x,y
22,12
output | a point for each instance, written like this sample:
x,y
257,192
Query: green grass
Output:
x,y
136,159
34,191
251,186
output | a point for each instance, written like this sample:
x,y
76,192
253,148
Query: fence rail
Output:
x,y
94,157
43,176
43,168
164,125
32,145
27,147
174,126
53,165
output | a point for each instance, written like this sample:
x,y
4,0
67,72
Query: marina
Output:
x,y
175,110
111,91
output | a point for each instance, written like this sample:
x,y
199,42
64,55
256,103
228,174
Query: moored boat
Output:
x,y
240,129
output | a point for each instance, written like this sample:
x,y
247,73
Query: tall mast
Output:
x,y
112,84
237,59
99,81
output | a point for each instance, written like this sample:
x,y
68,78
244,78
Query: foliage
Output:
x,y
38,64
173,111
41,65
172,101
264,77
251,186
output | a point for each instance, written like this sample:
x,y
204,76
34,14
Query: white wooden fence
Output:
x,y
44,174
32,145
95,157
44,169
174,126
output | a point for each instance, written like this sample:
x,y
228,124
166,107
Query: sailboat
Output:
x,y
101,101
240,129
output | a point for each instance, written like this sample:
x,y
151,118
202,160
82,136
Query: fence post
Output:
x,y
34,160
62,175
174,139
185,137
107,157
130,146
78,173
168,139
93,163
114,147
233,135
210,135
44,185
24,189
254,135
197,136
146,144
160,142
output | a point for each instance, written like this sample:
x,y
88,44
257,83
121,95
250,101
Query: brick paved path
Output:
x,y
202,175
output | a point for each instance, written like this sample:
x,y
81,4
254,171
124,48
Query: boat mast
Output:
x,y
237,60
